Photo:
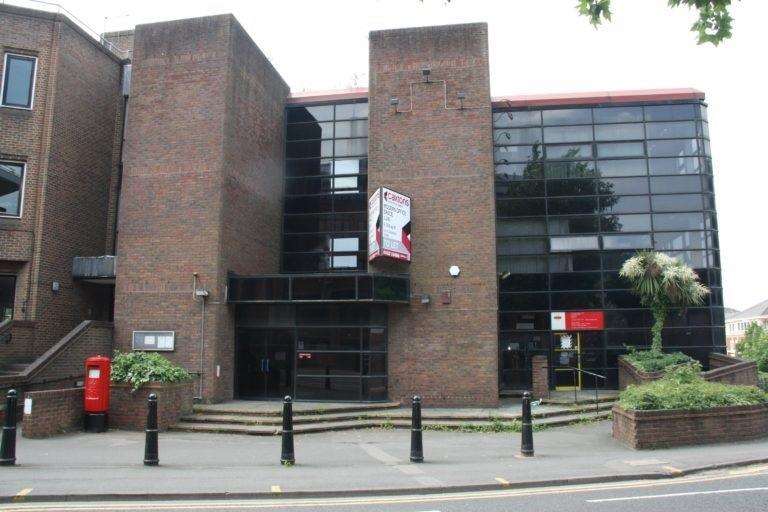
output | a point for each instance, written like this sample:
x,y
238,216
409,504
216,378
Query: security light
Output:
x,y
394,101
425,73
461,95
454,271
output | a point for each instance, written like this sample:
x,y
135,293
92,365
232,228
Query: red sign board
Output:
x,y
584,321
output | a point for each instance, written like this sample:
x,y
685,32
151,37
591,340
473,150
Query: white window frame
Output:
x,y
23,187
34,80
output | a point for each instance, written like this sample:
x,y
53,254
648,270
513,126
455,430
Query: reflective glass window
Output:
x,y
675,184
574,262
572,187
670,112
11,183
521,227
517,246
309,114
567,116
678,221
573,243
685,165
627,242
569,151
627,131
680,147
617,149
520,207
583,169
680,241
510,154
672,130
517,118
569,225
625,223
351,129
618,114
306,131
352,111
621,186
572,205
517,136
624,204
553,134
677,203
509,172
18,80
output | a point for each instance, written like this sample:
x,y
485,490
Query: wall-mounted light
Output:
x,y
425,74
454,271
461,95
55,287
394,102
425,299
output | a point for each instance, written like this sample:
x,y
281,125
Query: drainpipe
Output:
x,y
200,294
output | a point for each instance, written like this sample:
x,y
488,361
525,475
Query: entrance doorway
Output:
x,y
567,360
265,359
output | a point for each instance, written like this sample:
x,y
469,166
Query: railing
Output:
x,y
576,389
93,267
58,9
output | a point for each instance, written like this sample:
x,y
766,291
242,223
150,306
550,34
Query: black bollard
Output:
x,y
150,445
526,447
417,447
8,444
286,456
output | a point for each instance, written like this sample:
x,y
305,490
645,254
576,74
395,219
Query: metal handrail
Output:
x,y
576,390
583,371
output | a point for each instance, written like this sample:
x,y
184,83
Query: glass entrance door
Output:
x,y
567,356
265,360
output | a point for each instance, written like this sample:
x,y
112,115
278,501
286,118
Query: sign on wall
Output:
x,y
578,320
154,340
389,225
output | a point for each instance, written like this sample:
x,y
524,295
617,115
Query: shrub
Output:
x,y
754,346
683,388
653,361
138,368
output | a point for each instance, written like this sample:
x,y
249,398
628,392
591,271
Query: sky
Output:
x,y
538,46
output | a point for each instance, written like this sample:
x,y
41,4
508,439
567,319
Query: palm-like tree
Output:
x,y
662,282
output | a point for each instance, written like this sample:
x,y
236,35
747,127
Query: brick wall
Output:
x,y
664,429
724,369
20,347
67,143
202,164
540,376
128,410
53,412
441,157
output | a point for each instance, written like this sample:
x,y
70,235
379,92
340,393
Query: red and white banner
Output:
x,y
578,321
389,225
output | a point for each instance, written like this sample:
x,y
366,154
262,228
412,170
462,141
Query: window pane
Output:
x,y
577,281
618,114
572,187
523,301
572,205
521,227
516,246
352,111
510,154
674,165
346,244
615,149
520,207
573,243
625,167
626,223
577,300
675,184
345,261
682,147
619,131
524,265
574,262
517,118
18,81
523,188
308,167
680,241
351,129
305,131
11,179
523,282
569,152
349,147
567,116
309,149
680,221
675,130
517,136
585,169
625,204
624,186
307,114
509,172
7,292
568,225
568,134
627,241
350,166
670,112
677,203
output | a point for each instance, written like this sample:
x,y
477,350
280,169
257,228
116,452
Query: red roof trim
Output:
x,y
323,96
599,97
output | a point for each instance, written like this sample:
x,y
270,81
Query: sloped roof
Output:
x,y
759,309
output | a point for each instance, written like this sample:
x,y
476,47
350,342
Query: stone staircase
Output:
x,y
224,418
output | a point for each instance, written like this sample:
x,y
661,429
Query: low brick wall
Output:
x,y
731,370
664,429
53,412
128,410
724,369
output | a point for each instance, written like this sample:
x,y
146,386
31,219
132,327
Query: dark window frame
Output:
x,y
6,72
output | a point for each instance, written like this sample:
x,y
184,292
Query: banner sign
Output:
x,y
389,225
578,320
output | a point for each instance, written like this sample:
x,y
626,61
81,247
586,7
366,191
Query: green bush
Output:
x,y
683,388
762,380
653,361
138,368
754,346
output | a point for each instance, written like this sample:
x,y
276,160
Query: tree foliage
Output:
x,y
754,346
713,26
662,282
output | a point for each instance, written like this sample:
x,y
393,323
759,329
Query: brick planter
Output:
x,y
53,412
128,410
664,429
723,369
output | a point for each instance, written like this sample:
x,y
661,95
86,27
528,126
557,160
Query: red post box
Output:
x,y
96,393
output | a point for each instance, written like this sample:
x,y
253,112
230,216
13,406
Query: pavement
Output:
x,y
84,466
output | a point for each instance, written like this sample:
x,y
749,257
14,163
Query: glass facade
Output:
x,y
7,292
324,226
578,191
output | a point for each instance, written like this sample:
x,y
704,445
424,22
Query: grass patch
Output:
x,y
683,388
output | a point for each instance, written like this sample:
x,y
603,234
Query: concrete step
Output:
x,y
298,409
393,414
208,424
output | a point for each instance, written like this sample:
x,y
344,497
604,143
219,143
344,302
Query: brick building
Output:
x,y
238,214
